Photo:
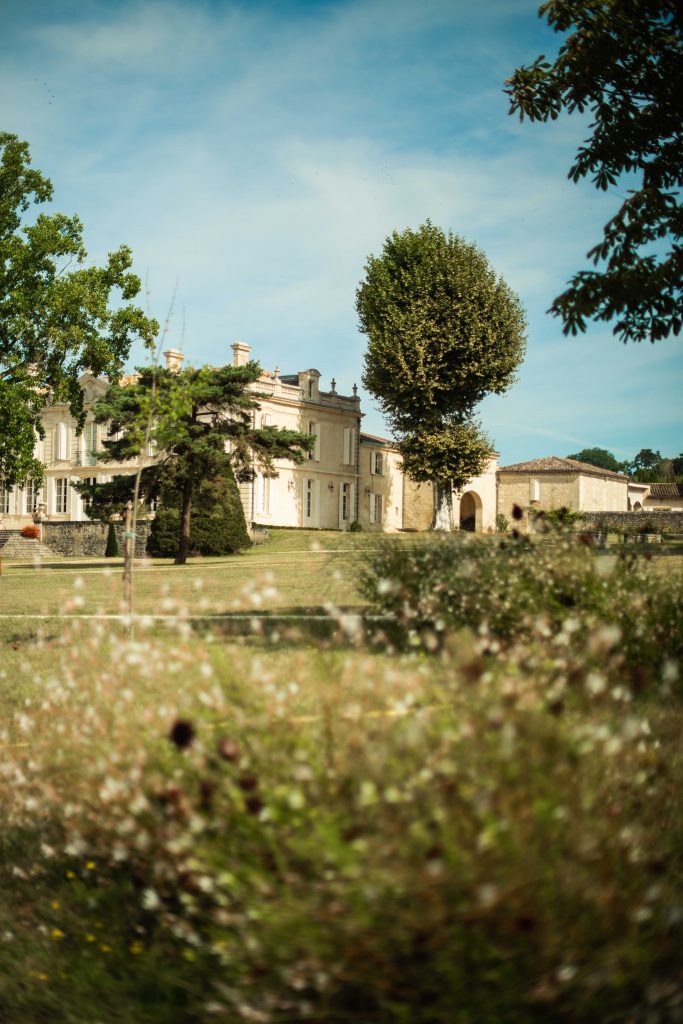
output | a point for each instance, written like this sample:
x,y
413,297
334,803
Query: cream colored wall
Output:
x,y
484,487
389,485
674,504
286,407
555,491
575,491
602,494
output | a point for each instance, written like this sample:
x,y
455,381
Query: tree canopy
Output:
x,y
623,63
444,331
179,424
55,322
601,458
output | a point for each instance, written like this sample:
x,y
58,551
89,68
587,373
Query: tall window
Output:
x,y
345,502
376,509
4,498
377,463
314,431
347,455
262,494
30,495
91,444
309,499
61,494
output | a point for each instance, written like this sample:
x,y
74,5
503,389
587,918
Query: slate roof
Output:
x,y
554,464
666,490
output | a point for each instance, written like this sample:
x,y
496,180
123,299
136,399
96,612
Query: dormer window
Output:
x,y
310,388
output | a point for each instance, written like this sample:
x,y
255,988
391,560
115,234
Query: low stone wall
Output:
x,y
615,522
89,539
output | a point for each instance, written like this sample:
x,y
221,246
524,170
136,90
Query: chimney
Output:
x,y
174,358
240,353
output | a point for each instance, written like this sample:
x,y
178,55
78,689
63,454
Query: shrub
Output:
x,y
562,518
505,589
112,549
217,526
32,532
355,527
502,523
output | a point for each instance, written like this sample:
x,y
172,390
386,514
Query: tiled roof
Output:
x,y
554,464
374,439
666,490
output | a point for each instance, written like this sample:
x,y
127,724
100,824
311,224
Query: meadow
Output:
x,y
428,819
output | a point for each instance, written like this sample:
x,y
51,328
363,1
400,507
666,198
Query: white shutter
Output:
x,y
372,508
316,455
352,503
61,441
342,525
348,446
316,504
534,490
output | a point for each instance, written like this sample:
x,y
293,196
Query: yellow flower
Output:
x,y
70,874
56,904
136,948
90,865
90,938
105,948
57,934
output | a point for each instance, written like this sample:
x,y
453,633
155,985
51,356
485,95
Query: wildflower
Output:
x,y
136,948
517,513
150,900
57,934
182,734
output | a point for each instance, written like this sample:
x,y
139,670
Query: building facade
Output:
x,y
349,477
552,483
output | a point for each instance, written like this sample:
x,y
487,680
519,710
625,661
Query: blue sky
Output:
x,y
256,153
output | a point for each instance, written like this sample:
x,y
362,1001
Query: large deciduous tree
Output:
x,y
601,458
56,314
623,63
184,421
444,331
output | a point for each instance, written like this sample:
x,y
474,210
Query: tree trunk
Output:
x,y
185,514
443,506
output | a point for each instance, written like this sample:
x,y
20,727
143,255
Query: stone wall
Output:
x,y
89,539
672,522
418,505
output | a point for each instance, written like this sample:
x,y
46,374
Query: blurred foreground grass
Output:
x,y
197,829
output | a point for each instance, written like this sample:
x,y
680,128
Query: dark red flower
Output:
x,y
182,734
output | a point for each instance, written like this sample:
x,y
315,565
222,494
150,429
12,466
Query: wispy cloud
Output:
x,y
261,152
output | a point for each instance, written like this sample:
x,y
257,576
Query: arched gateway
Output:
x,y
471,512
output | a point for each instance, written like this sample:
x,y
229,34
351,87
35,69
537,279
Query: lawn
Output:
x,y
200,827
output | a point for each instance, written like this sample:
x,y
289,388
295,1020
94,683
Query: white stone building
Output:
x,y
350,476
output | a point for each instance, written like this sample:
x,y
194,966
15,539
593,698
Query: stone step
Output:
x,y
15,547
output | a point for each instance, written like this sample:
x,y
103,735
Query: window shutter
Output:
x,y
316,508
534,490
372,508
61,441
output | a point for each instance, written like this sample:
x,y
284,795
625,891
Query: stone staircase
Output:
x,y
14,547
